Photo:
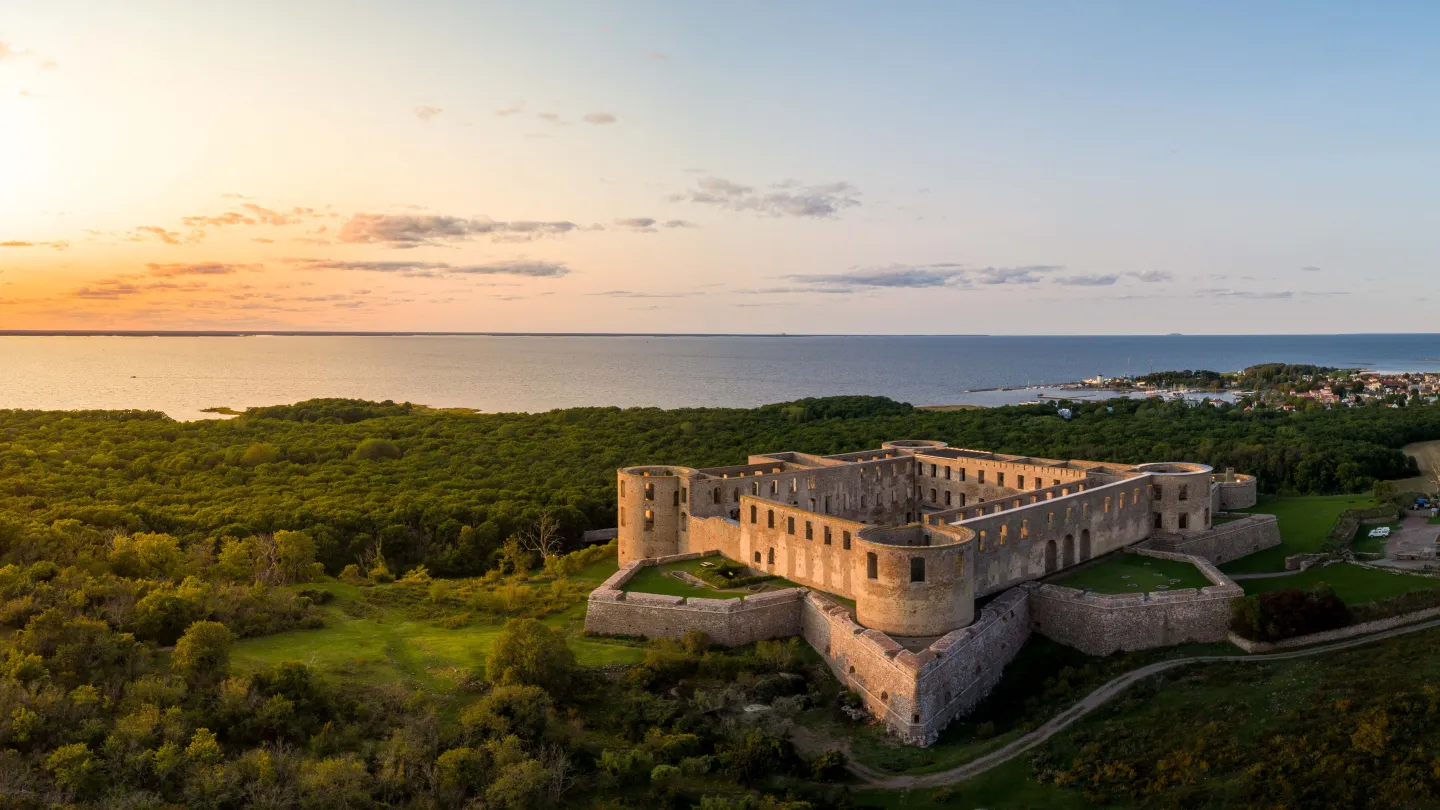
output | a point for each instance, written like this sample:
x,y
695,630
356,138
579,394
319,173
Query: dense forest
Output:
x,y
136,551
446,489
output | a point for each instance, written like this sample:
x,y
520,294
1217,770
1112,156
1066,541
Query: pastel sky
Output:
x,y
821,167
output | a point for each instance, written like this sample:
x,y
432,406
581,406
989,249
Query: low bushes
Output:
x,y
730,574
1292,612
1396,605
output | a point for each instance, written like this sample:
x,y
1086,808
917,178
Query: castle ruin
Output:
x,y
913,534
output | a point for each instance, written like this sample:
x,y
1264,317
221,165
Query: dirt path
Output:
x,y
1095,700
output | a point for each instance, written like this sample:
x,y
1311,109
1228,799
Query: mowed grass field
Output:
x,y
1354,584
370,642
1304,522
657,579
1132,573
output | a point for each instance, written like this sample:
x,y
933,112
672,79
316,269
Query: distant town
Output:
x,y
1284,386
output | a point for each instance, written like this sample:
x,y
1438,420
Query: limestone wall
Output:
x,y
1235,491
714,534
917,694
612,612
1028,542
1100,624
1227,541
801,546
1351,631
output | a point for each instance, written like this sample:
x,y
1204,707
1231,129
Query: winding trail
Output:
x,y
1096,699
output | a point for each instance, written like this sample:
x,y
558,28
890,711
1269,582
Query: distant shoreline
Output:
x,y
342,333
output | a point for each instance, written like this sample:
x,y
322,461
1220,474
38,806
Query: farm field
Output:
x,y
1304,523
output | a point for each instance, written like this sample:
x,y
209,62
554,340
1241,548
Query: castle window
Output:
x,y
960,565
684,495
774,487
622,516
753,511
1004,533
827,504
1019,482
649,492
827,535
862,501
1159,520
1184,492
982,539
917,569
736,496
845,540
757,558
947,498
1155,488
770,557
754,487
675,498
1055,483
1135,496
947,472
932,470
1107,504
812,504
999,479
809,531
717,495
872,566
794,485
812,482
1050,520
979,476
770,518
916,719
649,519
962,473
932,496
1184,520
1122,501
622,487
1024,529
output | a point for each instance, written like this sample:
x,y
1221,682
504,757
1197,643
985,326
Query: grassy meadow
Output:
x,y
1132,573
1304,524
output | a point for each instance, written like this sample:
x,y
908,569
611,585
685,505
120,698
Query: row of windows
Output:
x,y
937,471
790,526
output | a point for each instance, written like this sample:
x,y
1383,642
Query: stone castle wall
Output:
x,y
917,694
1225,542
1234,491
1100,624
731,622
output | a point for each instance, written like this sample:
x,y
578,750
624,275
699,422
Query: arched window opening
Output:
x,y
770,557
649,519
753,515
649,492
770,518
790,525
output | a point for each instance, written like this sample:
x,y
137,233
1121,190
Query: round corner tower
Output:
x,y
652,501
1180,496
905,587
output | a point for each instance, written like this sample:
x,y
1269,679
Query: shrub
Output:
x,y
528,652
375,450
828,767
1292,612
259,453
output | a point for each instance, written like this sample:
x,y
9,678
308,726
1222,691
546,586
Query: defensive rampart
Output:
x,y
1100,624
731,622
1226,541
917,694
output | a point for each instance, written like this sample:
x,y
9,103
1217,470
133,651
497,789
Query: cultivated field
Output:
x,y
1428,455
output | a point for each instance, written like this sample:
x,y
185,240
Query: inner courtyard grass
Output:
x,y
1132,573
1354,584
658,579
1304,523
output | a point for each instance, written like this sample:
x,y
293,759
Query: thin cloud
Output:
x,y
785,199
553,118
252,214
58,244
678,223
514,109
901,276
202,269
408,231
1030,274
1087,281
1151,276
426,112
1255,295
599,118
639,224
512,267
638,294
1310,268
166,236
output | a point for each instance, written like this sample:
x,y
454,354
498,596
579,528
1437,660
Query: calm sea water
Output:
x,y
181,375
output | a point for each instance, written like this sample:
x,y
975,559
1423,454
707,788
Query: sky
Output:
x,y
737,167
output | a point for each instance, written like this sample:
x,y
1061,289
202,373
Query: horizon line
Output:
x,y
456,333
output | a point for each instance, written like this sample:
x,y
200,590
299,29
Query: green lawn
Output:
x,y
1352,583
657,579
1006,786
1304,522
1366,544
1132,573
376,644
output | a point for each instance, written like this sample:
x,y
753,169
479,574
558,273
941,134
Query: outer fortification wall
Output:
x,y
1225,542
1102,624
1235,491
918,694
730,622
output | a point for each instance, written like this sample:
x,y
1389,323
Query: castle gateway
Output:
x,y
912,534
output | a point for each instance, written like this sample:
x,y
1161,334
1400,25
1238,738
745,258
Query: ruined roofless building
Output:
x,y
914,533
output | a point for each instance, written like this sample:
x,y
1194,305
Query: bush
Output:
x,y
828,767
375,450
1292,612
260,453
528,652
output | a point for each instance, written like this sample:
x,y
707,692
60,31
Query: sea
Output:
x,y
181,376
